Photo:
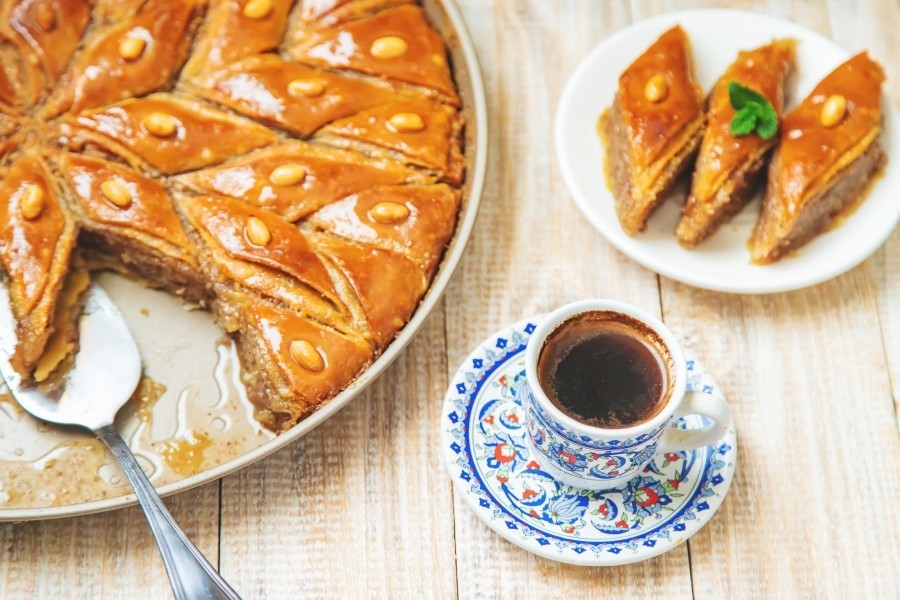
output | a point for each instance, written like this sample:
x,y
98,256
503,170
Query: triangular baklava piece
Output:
x,y
413,220
128,58
291,364
828,153
397,44
37,236
235,29
730,168
417,132
292,96
653,129
329,12
297,178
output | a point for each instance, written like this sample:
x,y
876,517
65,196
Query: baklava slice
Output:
x,y
731,168
397,45
128,224
164,133
235,29
380,287
828,154
294,97
297,178
413,220
653,129
249,252
416,132
37,237
291,364
45,33
131,57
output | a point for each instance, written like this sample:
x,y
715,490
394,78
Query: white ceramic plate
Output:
x,y
722,262
201,428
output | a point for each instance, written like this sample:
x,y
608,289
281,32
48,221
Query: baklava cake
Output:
x,y
653,129
294,166
730,167
828,154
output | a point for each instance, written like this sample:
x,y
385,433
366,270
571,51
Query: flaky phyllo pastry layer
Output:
x,y
293,166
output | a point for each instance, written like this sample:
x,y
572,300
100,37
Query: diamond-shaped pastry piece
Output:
x,y
46,33
398,44
37,237
729,167
324,175
292,96
165,133
263,253
652,132
418,132
234,30
823,162
292,365
413,220
129,58
386,285
128,224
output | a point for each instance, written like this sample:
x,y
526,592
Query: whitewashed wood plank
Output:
x,y
361,507
110,555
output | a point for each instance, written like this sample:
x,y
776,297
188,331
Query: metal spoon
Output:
x,y
106,372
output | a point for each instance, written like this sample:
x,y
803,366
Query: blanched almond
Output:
x,y
307,356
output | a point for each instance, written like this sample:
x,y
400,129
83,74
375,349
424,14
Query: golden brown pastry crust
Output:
x,y
323,13
45,33
290,390
386,285
260,87
36,242
202,136
100,74
172,155
436,147
649,143
812,160
230,34
416,221
727,171
285,269
349,46
329,175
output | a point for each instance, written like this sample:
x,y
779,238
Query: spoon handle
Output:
x,y
190,574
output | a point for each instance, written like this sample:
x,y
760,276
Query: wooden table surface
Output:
x,y
363,507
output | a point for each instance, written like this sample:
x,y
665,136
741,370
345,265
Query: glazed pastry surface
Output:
x,y
197,148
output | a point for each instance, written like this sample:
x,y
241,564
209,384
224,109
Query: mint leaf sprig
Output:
x,y
753,112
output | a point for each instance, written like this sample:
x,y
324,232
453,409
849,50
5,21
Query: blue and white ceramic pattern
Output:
x,y
485,442
581,456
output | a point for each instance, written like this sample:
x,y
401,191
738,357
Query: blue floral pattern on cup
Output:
x,y
581,456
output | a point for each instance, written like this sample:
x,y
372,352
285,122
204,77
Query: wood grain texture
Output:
x,y
359,508
109,555
362,507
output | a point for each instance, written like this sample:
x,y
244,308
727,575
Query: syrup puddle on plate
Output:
x,y
189,414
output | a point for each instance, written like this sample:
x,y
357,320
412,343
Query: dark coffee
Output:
x,y
603,368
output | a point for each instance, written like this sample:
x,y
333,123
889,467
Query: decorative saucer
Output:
x,y
489,457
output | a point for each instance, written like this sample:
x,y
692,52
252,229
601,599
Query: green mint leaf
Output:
x,y
744,121
767,125
753,112
741,95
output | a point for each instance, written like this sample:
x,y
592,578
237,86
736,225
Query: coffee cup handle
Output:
x,y
697,403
